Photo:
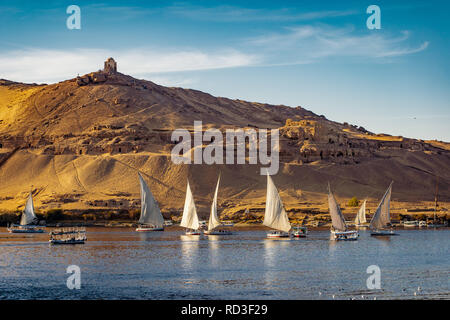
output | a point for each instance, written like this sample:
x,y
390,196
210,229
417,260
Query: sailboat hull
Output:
x,y
383,233
18,229
149,229
345,235
217,232
278,234
55,241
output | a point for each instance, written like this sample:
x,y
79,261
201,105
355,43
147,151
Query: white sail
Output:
x,y
190,218
337,219
150,212
382,217
275,216
213,218
361,215
28,215
246,211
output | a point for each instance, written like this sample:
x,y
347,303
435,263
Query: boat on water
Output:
x,y
70,235
214,221
27,221
227,223
168,223
339,230
381,219
299,232
151,218
360,219
190,217
411,224
275,216
435,223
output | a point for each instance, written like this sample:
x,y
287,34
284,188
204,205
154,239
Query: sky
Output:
x,y
316,54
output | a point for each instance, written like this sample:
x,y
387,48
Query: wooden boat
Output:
x,y
190,218
412,224
68,236
381,219
275,216
214,221
339,229
299,232
435,223
27,220
151,218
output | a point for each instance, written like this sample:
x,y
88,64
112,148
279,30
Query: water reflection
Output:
x,y
189,251
213,245
272,255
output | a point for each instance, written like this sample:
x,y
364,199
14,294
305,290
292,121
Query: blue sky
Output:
x,y
316,54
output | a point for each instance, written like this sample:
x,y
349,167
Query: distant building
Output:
x,y
110,66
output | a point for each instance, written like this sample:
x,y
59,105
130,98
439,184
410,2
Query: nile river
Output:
x,y
118,263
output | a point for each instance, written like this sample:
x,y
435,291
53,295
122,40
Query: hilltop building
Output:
x,y
110,66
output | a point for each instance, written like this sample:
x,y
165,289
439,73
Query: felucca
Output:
x,y
339,229
360,219
214,221
151,218
275,216
190,218
435,223
382,218
27,220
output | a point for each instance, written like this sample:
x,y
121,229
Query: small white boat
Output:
x,y
383,233
382,218
277,234
227,223
190,217
17,228
350,235
275,216
339,231
412,224
299,232
151,218
168,222
422,224
214,221
27,220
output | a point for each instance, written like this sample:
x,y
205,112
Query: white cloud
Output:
x,y
307,44
38,65
227,13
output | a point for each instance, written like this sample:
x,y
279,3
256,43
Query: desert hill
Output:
x,y
79,143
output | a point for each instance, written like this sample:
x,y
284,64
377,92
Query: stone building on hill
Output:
x,y
110,66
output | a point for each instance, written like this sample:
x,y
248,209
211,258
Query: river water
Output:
x,y
118,263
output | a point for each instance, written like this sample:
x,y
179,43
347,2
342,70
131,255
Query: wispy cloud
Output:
x,y
226,13
37,65
308,43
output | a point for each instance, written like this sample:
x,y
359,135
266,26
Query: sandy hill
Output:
x,y
79,143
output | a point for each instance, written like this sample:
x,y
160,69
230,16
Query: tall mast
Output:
x,y
436,199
